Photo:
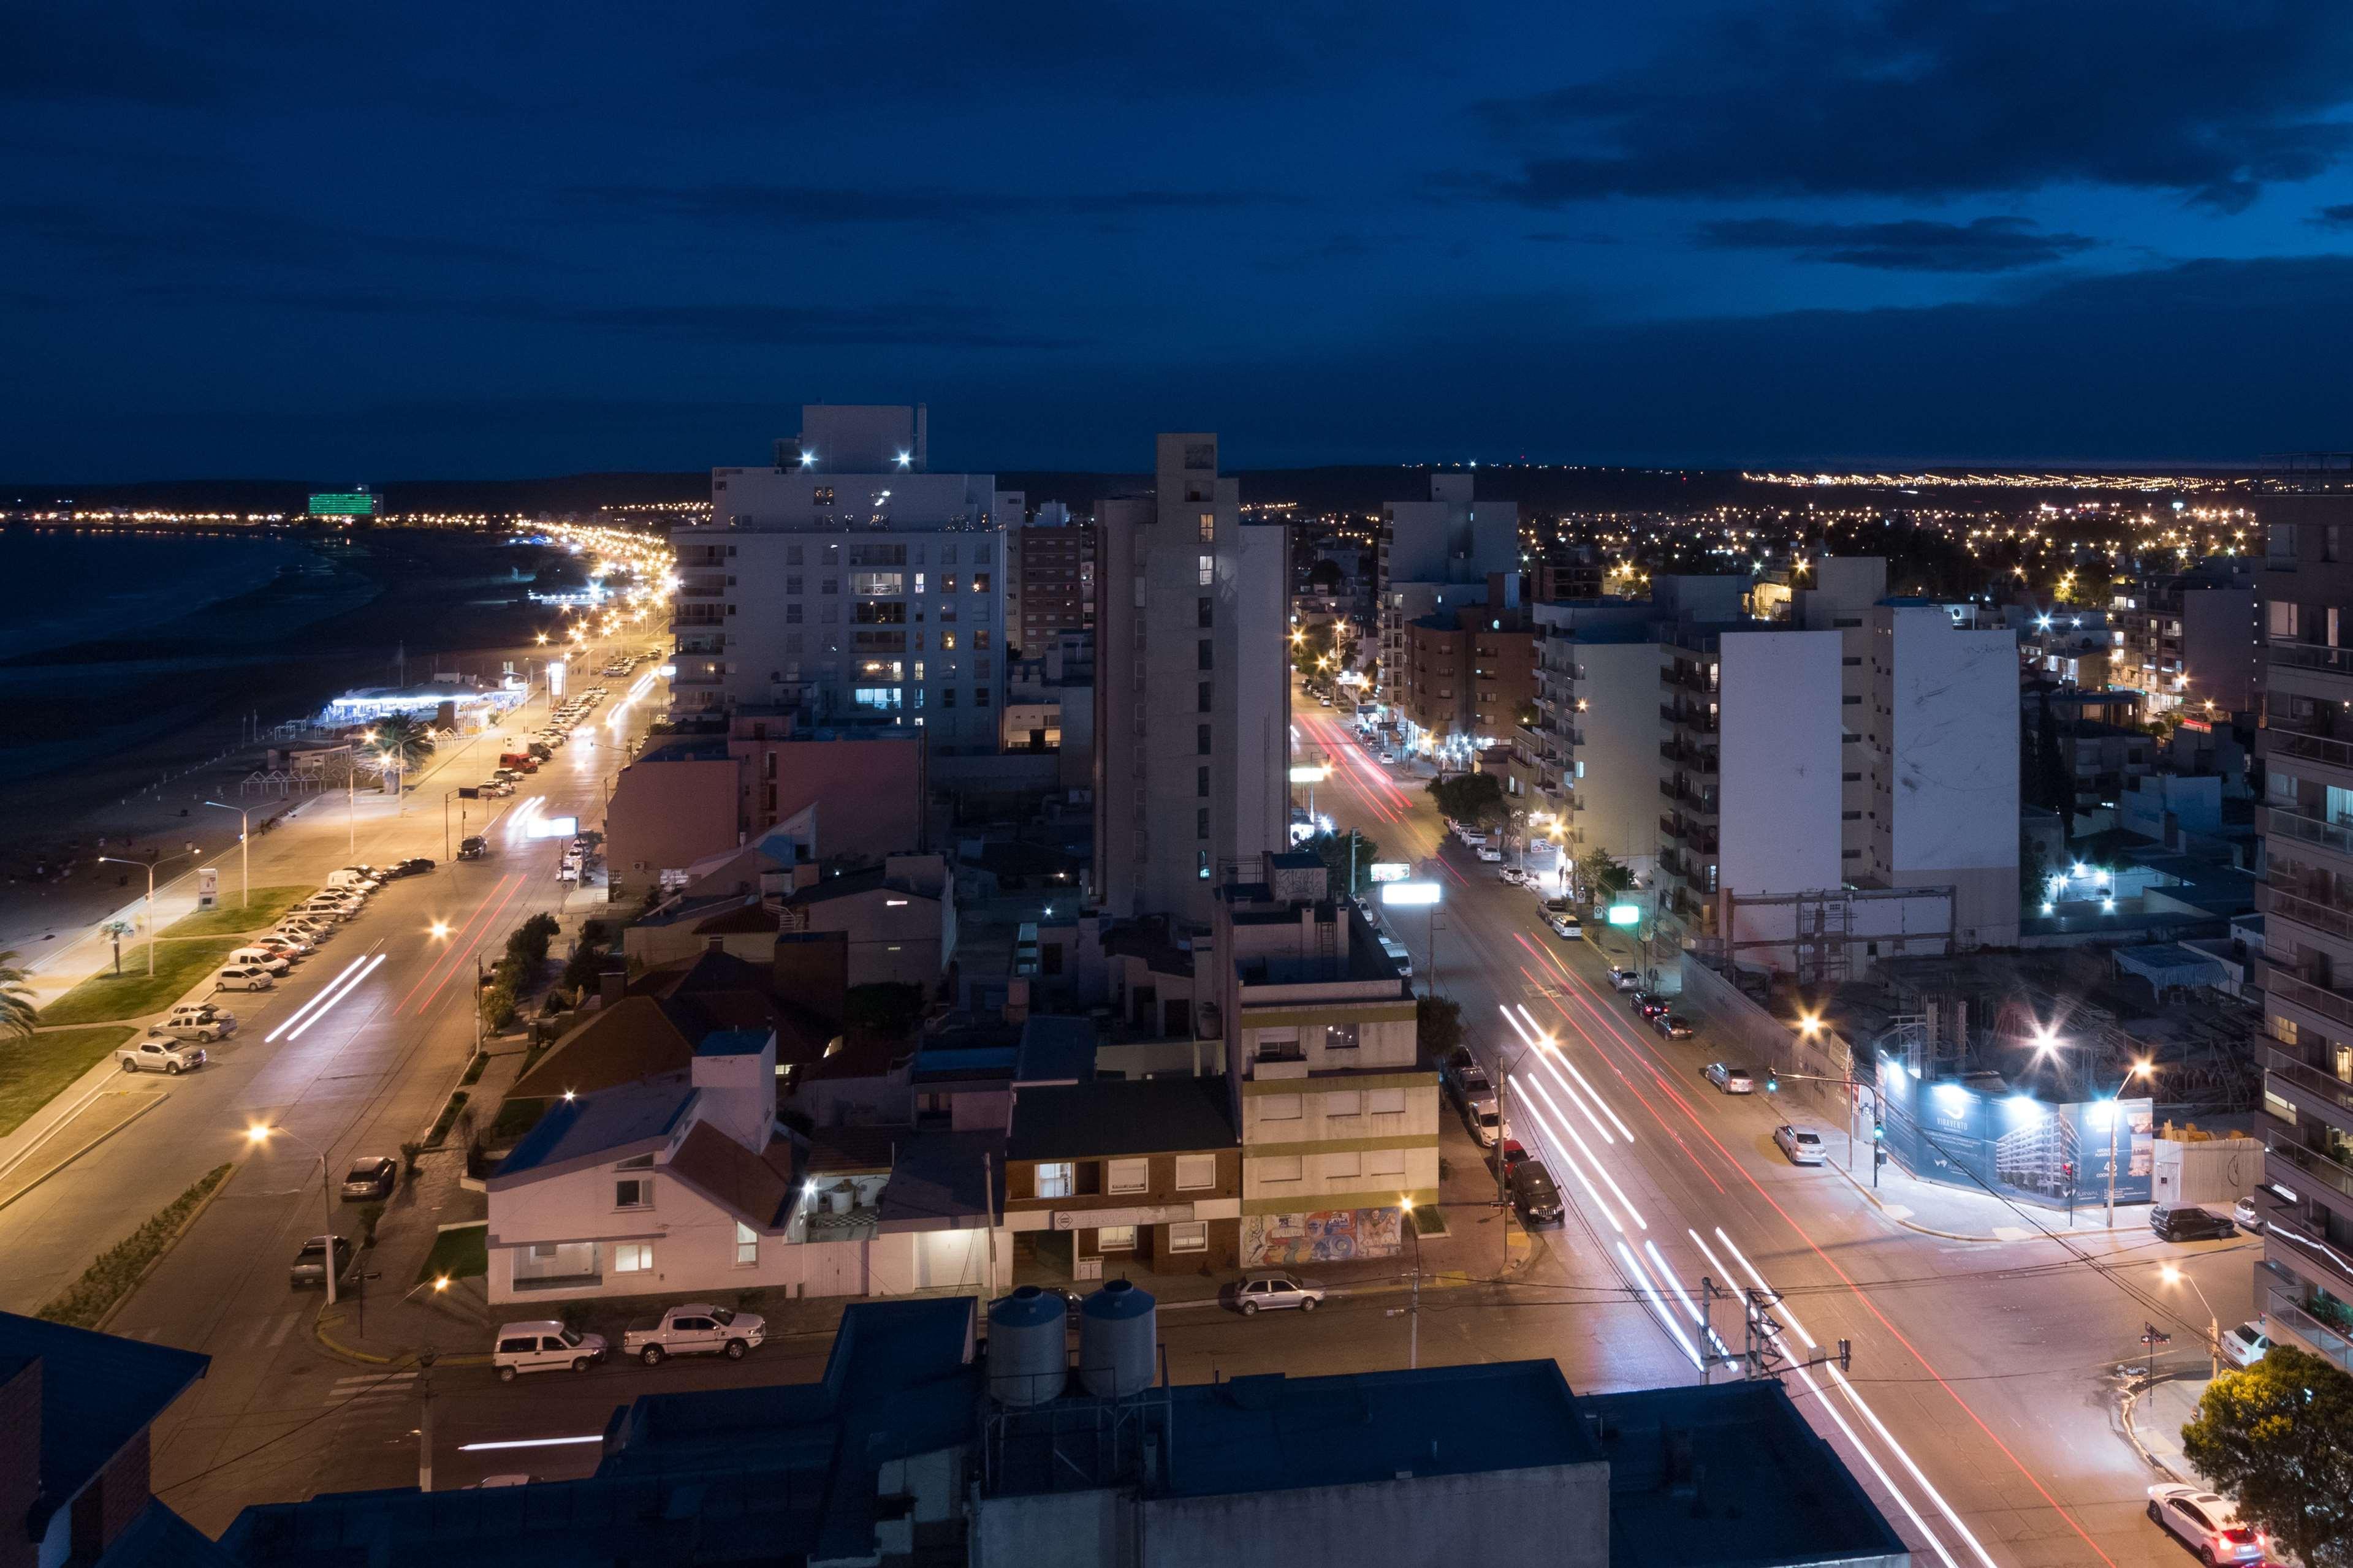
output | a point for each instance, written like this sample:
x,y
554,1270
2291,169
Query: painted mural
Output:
x,y
1323,1236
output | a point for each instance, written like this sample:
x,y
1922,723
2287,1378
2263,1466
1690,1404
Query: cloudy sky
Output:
x,y
438,240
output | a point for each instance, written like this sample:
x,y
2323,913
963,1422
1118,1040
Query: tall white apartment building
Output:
x,y
1192,703
1431,551
849,585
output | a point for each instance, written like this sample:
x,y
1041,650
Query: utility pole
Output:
x,y
988,1203
425,1426
243,851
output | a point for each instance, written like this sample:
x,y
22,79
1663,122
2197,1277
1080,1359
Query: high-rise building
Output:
x,y
1431,551
2190,639
1192,698
1051,583
849,585
1468,671
2305,1283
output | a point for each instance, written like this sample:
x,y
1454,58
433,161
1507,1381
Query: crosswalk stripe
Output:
x,y
285,1325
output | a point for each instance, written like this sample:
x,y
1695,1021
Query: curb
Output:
x,y
2131,1397
336,1347
171,1244
35,1184
1880,1203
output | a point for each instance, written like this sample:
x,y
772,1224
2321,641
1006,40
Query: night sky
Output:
x,y
363,243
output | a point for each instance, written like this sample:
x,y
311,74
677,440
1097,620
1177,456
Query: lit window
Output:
x,y
633,1257
1115,1238
1208,569
747,1245
1056,1181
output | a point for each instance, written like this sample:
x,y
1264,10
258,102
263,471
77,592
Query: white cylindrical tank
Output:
x,y
1119,1332
841,1197
1027,1362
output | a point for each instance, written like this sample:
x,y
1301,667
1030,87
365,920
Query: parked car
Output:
x,y
371,1176
543,1345
2188,1223
201,1029
2247,1343
1565,927
2209,1524
310,1263
1470,1083
1731,1080
350,879
414,867
1272,1291
1457,1062
1534,1194
1513,1154
1802,1144
206,1012
695,1328
1646,1003
1485,1118
471,848
1674,1025
159,1052
1625,979
305,928
262,958
286,946
1488,852
244,977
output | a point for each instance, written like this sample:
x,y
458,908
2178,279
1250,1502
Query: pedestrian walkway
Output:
x,y
1968,1214
2155,1414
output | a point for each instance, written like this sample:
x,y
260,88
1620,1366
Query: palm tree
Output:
x,y
404,739
17,1010
118,929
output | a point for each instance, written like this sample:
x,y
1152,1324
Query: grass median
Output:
x,y
233,917
37,1070
120,1269
463,1253
134,993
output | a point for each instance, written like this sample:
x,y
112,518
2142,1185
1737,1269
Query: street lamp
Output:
x,y
2173,1276
2143,1069
149,866
1413,1312
259,1134
244,848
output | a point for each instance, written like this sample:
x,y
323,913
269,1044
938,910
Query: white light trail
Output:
x,y
1855,1440
318,997
1563,1058
1560,1152
1666,1318
1698,1318
343,989
528,1442
1586,1150
1537,1044
1873,1416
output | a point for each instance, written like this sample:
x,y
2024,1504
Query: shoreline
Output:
x,y
284,648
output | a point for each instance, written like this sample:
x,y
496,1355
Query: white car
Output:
x,y
206,1012
2247,1343
202,1030
285,944
1272,1292
262,958
244,977
543,1346
1625,979
156,1054
1802,1144
1565,927
2209,1524
302,928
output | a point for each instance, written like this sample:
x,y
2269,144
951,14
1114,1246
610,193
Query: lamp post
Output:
x,y
149,866
243,851
1413,1312
2174,1276
259,1134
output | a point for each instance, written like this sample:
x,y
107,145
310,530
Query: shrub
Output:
x,y
408,1153
474,1068
369,1214
115,1271
441,1123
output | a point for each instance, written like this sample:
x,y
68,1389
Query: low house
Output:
x,y
900,917
1143,1176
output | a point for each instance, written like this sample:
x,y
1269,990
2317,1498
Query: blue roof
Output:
x,y
1273,1433
963,1061
97,1393
605,1119
733,1042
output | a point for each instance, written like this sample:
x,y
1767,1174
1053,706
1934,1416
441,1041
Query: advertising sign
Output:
x,y
554,827
207,886
1391,872
1625,914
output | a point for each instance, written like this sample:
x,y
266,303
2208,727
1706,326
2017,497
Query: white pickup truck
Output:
x,y
159,1053
696,1327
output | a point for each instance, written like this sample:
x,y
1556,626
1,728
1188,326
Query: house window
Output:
x,y
1115,1238
1201,740
1281,1168
1201,784
633,1257
1279,1107
1340,1037
1188,1235
634,1193
1201,823
1195,1171
1055,1181
1204,611
747,1245
1206,698
1209,571
1127,1175
1209,528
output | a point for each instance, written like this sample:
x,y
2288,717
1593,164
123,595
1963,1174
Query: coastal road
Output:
x,y
1981,1408
353,1054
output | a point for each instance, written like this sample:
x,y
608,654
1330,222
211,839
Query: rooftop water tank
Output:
x,y
1119,1329
1027,1362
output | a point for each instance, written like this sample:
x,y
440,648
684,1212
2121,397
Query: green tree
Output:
x,y
118,929
2054,779
2032,870
17,1013
2278,1438
404,739
1438,1027
1334,850
1603,877
1475,799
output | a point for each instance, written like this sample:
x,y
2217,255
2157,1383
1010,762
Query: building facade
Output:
x,y
1141,1176
1051,580
1449,540
1192,703
847,583
1470,672
2191,639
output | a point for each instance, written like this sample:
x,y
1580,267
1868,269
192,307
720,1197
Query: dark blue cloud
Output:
x,y
1909,244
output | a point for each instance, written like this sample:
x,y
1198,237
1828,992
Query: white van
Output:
x,y
350,880
543,1345
244,977
1397,955
262,958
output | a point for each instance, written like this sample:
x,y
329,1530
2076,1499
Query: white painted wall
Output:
x,y
1781,758
1946,790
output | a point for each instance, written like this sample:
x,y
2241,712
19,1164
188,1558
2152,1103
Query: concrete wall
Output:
x,y
666,815
1057,1529
1945,791
1617,791
1781,754
867,795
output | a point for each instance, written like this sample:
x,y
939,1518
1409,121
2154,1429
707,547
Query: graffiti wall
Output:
x,y
1323,1236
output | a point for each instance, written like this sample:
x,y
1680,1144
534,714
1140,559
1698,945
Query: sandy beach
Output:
x,y
116,744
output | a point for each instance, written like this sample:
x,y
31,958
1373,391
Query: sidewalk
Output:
x,y
2154,1415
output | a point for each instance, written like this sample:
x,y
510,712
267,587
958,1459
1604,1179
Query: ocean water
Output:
x,y
66,586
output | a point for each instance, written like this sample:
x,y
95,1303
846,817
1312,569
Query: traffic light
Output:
x,y
1879,1132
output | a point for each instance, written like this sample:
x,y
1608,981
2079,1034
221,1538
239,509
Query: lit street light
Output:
x,y
259,1134
149,866
243,851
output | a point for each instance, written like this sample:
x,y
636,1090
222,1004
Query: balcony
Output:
x,y
2281,823
2309,1250
693,593
2290,1164
2297,746
2284,1307
2334,1005
2304,1085
2311,669
2308,912
689,677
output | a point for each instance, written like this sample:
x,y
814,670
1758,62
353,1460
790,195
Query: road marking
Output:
x,y
286,1323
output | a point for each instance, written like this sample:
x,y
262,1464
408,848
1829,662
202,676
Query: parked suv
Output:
x,y
2188,1223
543,1345
1534,1194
